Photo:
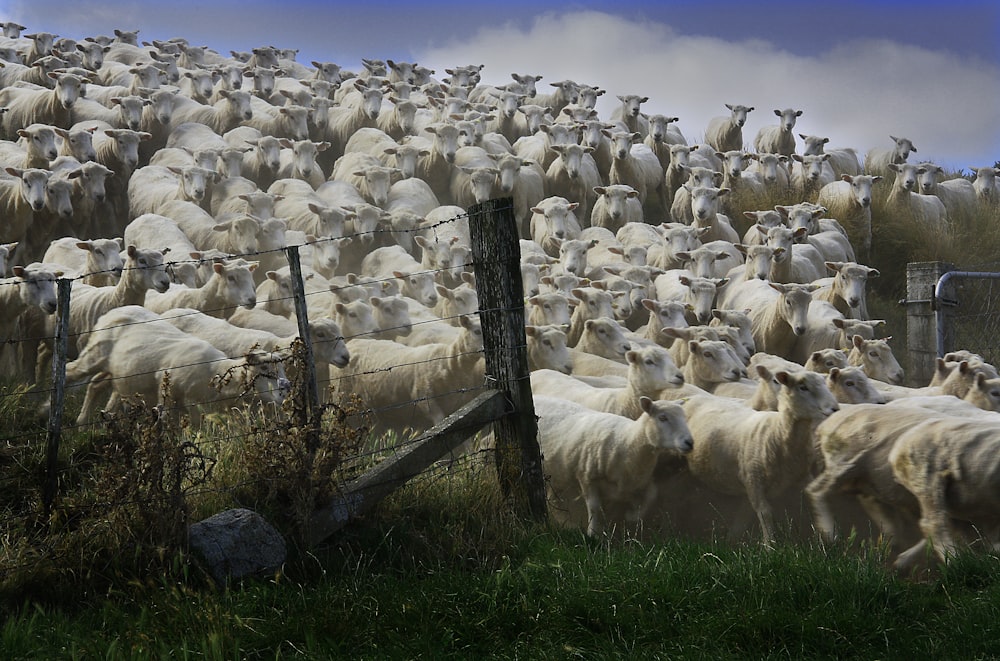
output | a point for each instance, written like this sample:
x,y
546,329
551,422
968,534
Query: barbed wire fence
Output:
x,y
501,400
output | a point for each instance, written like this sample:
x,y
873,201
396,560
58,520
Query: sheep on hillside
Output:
x,y
849,201
726,133
778,139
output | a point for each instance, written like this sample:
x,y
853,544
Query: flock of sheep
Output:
x,y
681,337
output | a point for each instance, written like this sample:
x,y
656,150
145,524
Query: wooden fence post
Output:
x,y
60,350
921,322
496,254
302,315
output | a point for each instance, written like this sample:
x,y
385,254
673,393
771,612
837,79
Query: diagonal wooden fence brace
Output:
x,y
370,489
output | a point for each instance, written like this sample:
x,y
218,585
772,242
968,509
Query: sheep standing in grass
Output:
x,y
778,139
850,202
604,460
759,454
878,158
726,133
904,204
958,194
985,185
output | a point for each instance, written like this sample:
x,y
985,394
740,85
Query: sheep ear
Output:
x,y
646,403
834,373
858,341
784,378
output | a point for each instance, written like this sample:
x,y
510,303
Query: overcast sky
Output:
x,y
860,71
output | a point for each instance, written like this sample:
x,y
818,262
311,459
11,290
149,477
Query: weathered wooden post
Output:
x,y
309,377
63,286
921,319
496,254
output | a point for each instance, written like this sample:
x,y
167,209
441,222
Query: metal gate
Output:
x,y
967,311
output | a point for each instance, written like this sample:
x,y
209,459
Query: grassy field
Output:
x,y
430,582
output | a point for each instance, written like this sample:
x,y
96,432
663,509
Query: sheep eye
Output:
x,y
873,354
546,343
849,384
804,388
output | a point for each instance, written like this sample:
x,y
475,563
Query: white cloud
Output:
x,y
856,94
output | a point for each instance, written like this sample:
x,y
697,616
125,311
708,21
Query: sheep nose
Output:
x,y
799,330
687,444
854,302
50,307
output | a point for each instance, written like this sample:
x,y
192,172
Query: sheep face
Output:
x,y
806,394
547,348
850,385
877,360
37,287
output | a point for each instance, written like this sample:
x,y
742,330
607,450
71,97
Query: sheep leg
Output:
x,y
97,388
765,514
595,511
819,492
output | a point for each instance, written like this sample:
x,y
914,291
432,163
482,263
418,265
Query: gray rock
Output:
x,y
237,543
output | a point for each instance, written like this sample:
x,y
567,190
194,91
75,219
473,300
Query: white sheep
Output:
x,y
637,166
950,467
537,147
135,353
842,161
708,363
958,194
225,114
411,388
298,160
573,175
773,171
153,186
261,162
877,359
758,454
855,444
680,208
473,177
698,294
810,174
96,262
878,158
985,185
415,281
360,109
605,460
778,312
26,106
554,220
650,370
849,201
231,286
547,348
22,195
367,218
778,139
705,203
726,133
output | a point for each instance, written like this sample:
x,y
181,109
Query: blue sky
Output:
x,y
860,71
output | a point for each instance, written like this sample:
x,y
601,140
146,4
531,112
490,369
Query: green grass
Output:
x,y
552,594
